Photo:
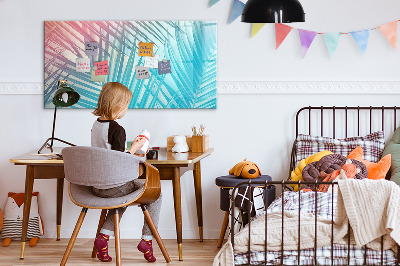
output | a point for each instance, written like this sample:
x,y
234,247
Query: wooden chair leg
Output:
x,y
73,237
154,230
101,222
117,238
223,229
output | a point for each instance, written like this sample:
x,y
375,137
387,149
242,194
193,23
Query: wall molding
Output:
x,y
260,87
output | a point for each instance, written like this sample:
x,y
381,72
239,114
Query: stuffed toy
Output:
x,y
180,144
13,215
245,169
375,170
296,174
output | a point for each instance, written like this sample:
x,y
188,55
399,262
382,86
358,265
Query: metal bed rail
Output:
x,y
346,123
265,185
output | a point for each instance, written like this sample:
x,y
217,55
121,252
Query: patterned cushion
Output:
x,y
372,144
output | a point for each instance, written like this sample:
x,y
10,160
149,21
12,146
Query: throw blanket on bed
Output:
x,y
373,208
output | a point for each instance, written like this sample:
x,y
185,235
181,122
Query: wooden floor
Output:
x,y
50,252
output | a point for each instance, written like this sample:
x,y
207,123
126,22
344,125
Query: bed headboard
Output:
x,y
345,121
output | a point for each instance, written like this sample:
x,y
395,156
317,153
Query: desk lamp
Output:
x,y
273,11
64,96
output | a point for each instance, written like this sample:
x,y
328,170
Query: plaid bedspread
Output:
x,y
321,205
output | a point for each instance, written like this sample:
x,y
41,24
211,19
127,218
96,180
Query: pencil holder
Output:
x,y
200,143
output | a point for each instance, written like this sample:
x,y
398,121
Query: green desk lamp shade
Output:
x,y
65,96
272,11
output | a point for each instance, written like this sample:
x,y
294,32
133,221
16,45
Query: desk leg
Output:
x,y
199,204
176,182
27,206
60,190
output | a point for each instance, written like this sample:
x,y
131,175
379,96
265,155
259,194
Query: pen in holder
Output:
x,y
200,143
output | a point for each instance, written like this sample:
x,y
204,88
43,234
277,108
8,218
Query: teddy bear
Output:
x,y
13,215
245,169
180,144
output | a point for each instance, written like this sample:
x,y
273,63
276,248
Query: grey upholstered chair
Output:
x,y
85,167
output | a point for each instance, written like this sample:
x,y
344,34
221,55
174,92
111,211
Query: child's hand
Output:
x,y
137,144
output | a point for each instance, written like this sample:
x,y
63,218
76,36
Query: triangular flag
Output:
x,y
237,9
332,41
213,2
361,37
306,39
255,28
281,31
390,32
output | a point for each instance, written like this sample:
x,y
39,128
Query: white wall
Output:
x,y
259,127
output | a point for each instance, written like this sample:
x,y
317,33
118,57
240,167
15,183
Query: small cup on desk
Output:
x,y
152,155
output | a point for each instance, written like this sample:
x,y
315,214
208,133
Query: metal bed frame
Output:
x,y
283,184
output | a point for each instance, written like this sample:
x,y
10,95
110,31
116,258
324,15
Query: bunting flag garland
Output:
x,y
332,41
237,8
281,31
389,30
256,27
213,2
306,39
361,37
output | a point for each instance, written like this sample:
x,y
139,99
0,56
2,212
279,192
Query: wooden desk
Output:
x,y
168,164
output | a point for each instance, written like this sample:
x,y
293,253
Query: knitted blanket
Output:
x,y
371,207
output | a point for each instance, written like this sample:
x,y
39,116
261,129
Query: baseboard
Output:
x,y
260,87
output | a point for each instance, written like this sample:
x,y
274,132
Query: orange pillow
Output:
x,y
375,170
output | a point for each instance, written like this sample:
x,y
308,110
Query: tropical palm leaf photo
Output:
x,y
190,46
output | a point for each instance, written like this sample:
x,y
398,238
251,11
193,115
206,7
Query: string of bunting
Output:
x,y
361,37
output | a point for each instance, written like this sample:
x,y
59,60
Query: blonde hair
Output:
x,y
112,99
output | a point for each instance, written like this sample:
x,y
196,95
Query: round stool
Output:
x,y
228,182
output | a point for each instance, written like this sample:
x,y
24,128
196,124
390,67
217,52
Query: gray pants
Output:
x,y
153,208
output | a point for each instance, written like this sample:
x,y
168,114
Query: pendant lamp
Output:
x,y
65,96
272,11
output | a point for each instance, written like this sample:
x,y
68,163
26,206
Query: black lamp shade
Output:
x,y
65,100
273,11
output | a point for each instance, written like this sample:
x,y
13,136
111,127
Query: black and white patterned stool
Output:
x,y
226,183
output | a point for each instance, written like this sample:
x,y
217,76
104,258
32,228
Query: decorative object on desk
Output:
x,y
152,155
273,11
245,169
180,144
171,143
144,134
64,96
12,224
191,47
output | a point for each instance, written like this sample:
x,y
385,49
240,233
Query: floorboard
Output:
x,y
49,252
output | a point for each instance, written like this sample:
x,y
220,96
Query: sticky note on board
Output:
x,y
164,67
92,48
151,62
145,48
142,72
82,65
99,78
102,68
